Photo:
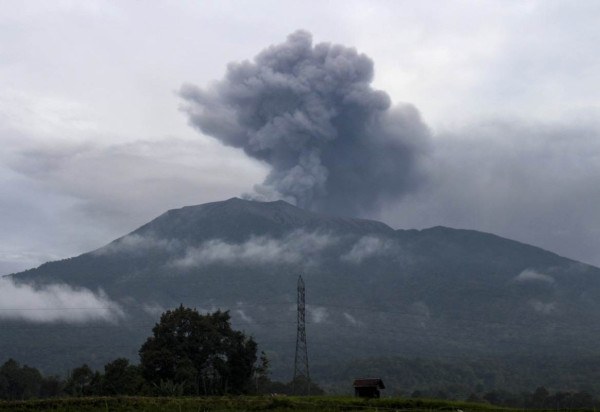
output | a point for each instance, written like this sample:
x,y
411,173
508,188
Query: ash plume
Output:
x,y
333,142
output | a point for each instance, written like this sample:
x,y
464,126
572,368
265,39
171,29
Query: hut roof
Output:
x,y
368,383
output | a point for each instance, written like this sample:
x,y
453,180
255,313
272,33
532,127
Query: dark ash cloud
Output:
x,y
532,182
332,141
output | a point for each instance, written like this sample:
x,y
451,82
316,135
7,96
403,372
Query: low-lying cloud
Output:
x,y
244,316
352,320
295,248
544,308
530,275
317,314
367,247
55,303
298,247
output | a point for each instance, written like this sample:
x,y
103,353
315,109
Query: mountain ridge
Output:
x,y
157,226
277,212
431,292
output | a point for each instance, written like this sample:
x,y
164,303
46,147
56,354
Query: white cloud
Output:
x,y
55,303
352,320
297,247
530,275
543,308
243,316
318,314
153,309
366,247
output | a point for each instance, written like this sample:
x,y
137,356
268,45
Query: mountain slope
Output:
x,y
371,290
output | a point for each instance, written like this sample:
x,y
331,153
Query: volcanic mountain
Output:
x,y
370,290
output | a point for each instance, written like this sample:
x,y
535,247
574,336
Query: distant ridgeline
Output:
x,y
466,378
449,297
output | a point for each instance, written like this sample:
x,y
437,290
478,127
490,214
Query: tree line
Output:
x,y
459,378
120,377
188,354
541,398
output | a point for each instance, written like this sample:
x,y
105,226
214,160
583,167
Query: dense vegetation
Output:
x,y
461,378
193,354
441,312
371,290
199,354
188,354
120,378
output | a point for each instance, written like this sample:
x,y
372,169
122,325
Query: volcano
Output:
x,y
371,290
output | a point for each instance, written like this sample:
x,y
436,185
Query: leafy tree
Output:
x,y
52,386
201,352
31,381
18,382
473,398
11,382
582,400
302,386
83,382
261,374
540,397
121,378
3,387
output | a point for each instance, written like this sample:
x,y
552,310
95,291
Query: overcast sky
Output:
x,y
94,143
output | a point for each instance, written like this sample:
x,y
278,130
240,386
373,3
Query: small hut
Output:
x,y
368,388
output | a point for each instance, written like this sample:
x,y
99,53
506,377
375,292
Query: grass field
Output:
x,y
241,403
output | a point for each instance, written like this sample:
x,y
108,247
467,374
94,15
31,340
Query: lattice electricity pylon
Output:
x,y
301,360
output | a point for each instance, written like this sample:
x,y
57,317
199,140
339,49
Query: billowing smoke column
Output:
x,y
334,143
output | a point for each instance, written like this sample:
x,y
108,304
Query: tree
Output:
x,y
540,397
18,382
83,382
121,378
261,374
201,352
52,386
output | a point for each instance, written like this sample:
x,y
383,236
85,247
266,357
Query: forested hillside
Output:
x,y
371,292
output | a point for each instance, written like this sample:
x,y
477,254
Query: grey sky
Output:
x,y
94,144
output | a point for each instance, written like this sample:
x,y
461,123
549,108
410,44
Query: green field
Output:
x,y
241,403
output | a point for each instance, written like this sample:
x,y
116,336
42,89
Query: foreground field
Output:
x,y
241,403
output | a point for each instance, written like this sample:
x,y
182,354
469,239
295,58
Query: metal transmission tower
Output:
x,y
301,360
